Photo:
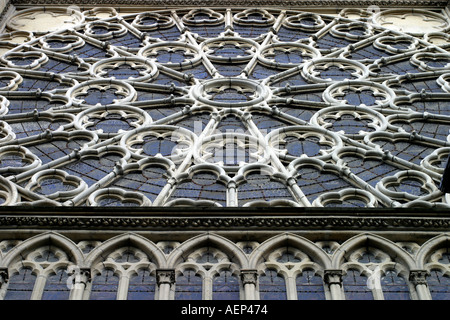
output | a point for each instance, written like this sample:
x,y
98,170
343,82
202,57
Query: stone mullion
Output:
x,y
229,20
165,279
81,278
4,277
249,278
204,59
248,69
333,279
122,290
291,183
418,279
184,166
39,286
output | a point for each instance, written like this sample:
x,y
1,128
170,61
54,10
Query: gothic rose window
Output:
x,y
224,108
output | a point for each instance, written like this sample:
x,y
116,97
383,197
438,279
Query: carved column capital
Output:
x,y
4,276
165,276
80,275
333,276
418,277
249,276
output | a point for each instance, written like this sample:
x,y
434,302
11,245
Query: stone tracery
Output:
x,y
304,89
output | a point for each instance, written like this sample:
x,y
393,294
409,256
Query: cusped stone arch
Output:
x,y
430,247
55,239
290,267
374,241
127,239
209,239
311,249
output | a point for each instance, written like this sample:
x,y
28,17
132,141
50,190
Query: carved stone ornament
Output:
x,y
165,276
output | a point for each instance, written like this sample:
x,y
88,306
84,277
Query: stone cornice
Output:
x,y
235,219
240,3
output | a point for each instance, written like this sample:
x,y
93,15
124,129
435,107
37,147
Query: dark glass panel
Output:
x,y
356,286
188,286
309,286
104,286
20,285
142,286
56,287
394,286
272,286
225,286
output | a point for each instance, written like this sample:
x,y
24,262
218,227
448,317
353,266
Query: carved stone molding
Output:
x,y
418,277
4,276
206,223
333,277
249,277
245,3
165,276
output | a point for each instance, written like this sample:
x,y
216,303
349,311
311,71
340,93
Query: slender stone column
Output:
x,y
333,278
165,279
249,278
4,277
419,279
80,278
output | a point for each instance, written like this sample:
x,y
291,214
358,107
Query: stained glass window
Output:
x,y
296,96
272,286
21,285
188,286
104,286
355,286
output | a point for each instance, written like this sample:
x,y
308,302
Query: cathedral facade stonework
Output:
x,y
248,150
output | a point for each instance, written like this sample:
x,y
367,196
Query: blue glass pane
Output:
x,y
56,287
313,182
231,124
369,170
29,105
272,286
428,129
267,123
203,186
148,181
104,286
329,42
91,170
207,31
439,285
260,187
225,286
49,151
188,286
411,152
309,286
167,34
292,35
30,128
20,285
355,286
249,31
142,286
104,97
394,287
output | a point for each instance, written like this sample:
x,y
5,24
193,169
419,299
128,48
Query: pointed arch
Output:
x,y
228,247
375,241
428,247
310,248
55,239
128,239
